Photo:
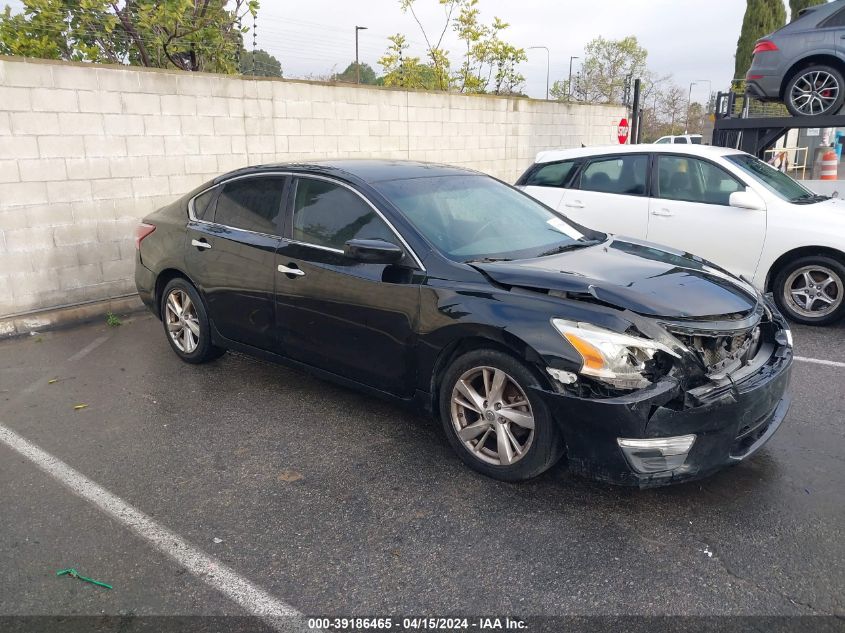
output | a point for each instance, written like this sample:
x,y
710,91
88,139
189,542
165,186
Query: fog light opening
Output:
x,y
658,454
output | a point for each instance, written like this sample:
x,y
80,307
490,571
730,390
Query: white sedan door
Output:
x,y
611,195
689,211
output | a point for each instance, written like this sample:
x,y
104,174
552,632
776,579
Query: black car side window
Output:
x,y
252,204
327,214
202,205
551,175
623,174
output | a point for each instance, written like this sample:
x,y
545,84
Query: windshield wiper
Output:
x,y
810,198
487,260
569,247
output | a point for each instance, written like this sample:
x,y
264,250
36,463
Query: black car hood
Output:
x,y
633,275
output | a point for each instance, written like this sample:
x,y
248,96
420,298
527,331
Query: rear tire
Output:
x,y
186,323
815,91
493,435
811,290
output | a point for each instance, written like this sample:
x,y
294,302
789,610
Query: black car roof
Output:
x,y
367,170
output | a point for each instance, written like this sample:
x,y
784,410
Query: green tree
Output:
x,y
609,67
368,75
404,71
186,34
761,18
796,6
263,64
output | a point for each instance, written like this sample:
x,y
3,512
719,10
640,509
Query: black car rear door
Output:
x,y
350,318
231,247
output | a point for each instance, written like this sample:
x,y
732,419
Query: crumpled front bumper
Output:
x,y
730,423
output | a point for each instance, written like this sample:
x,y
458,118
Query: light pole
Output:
x,y
570,75
689,99
548,62
357,65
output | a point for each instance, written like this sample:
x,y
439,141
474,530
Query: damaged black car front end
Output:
x,y
656,391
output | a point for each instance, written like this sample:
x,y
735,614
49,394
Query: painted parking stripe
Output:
x,y
214,573
88,348
819,361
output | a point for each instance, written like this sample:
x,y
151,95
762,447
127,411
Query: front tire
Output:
x,y
815,91
495,423
186,323
811,290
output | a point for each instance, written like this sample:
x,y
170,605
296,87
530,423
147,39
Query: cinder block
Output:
x,y
118,269
105,146
123,124
14,99
23,123
80,276
162,125
68,190
87,168
22,193
285,127
201,164
259,125
118,80
57,257
9,171
158,82
42,169
28,74
182,145
180,185
323,109
115,230
111,188
81,123
213,106
97,252
74,78
326,144
179,104
192,84
100,101
228,126
197,125
138,103
61,147
5,124
260,144
54,100
145,146
236,107
149,186
129,167
228,87
14,263
29,239
215,145
166,165
93,210
12,219
298,109
301,144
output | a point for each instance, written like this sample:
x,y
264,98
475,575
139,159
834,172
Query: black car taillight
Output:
x,y
142,231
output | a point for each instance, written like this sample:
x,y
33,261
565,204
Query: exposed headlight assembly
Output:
x,y
616,359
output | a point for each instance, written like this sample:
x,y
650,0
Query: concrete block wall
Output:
x,y
86,151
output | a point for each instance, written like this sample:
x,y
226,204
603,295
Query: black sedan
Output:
x,y
529,336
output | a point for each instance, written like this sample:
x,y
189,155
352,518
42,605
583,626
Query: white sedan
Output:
x,y
720,204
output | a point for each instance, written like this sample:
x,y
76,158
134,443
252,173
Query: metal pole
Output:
x,y
358,65
689,103
548,64
635,107
570,75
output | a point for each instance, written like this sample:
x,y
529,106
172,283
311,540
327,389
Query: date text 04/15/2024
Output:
x,y
416,624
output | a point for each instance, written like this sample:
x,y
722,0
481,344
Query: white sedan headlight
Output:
x,y
616,359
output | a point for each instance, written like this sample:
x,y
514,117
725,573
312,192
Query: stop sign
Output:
x,y
623,130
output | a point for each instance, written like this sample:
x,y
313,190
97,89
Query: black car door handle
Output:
x,y
291,270
200,244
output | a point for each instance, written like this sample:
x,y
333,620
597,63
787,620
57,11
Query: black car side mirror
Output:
x,y
373,251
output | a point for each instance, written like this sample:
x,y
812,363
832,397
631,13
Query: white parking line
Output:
x,y
252,598
88,348
819,361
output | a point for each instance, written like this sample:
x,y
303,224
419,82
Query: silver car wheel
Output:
x,y
180,314
492,416
814,93
813,291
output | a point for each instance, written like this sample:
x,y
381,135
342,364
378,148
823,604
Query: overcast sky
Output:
x,y
689,39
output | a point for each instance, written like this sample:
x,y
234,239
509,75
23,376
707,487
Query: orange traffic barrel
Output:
x,y
830,166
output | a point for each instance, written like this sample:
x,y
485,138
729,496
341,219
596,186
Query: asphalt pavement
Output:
x,y
339,504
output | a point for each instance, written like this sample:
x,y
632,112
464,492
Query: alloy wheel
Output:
x,y
813,291
492,416
814,93
180,314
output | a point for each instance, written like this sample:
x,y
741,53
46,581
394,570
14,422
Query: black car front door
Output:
x,y
231,246
350,318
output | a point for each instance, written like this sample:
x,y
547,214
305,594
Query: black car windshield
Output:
x,y
473,217
773,179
